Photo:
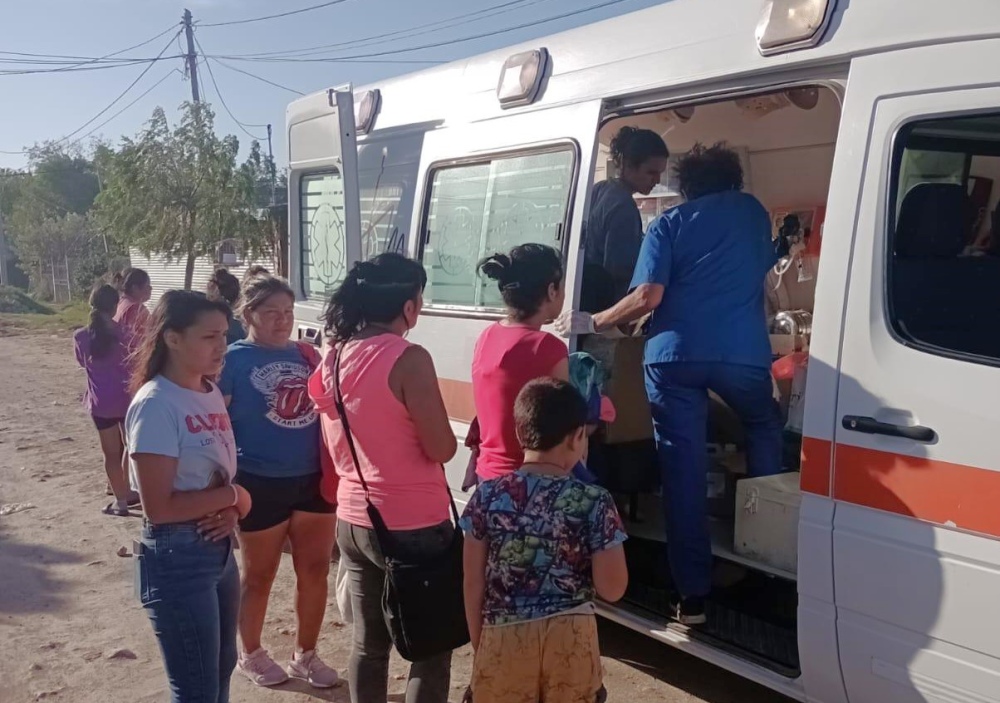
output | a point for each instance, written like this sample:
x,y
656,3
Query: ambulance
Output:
x,y
870,571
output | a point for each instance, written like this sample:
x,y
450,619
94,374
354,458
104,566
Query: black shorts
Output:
x,y
275,499
106,423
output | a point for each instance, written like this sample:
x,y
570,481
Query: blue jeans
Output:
x,y
190,589
678,394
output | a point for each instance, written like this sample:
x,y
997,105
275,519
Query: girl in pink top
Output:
x,y
132,314
402,434
514,351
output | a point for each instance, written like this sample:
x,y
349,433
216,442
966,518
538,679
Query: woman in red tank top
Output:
x,y
514,351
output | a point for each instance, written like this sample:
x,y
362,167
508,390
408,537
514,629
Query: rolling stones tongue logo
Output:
x,y
283,384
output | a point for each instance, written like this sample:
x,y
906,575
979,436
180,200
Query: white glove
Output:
x,y
575,322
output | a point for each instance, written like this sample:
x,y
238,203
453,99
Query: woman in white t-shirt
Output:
x,y
183,458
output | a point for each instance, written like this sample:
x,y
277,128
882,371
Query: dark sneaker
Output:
x,y
691,611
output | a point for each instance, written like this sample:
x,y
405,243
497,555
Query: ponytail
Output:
x,y
374,291
103,302
524,277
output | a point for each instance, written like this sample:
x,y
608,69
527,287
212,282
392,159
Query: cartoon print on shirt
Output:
x,y
284,385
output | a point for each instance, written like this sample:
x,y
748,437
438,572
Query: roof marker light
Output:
x,y
521,78
785,25
366,107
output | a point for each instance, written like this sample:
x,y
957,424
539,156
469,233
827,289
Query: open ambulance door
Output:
x,y
486,187
915,469
324,212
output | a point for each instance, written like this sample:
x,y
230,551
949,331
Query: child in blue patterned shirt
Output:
x,y
540,546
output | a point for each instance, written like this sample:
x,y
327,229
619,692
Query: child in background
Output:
x,y
225,286
132,315
540,546
100,351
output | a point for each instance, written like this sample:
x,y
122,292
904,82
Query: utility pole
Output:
x,y
192,57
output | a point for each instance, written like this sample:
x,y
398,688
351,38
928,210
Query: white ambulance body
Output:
x,y
879,119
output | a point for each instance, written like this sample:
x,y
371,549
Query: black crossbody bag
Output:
x,y
423,602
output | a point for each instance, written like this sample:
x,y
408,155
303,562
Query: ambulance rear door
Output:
x,y
324,214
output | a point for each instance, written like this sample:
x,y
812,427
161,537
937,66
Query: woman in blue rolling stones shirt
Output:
x,y
278,462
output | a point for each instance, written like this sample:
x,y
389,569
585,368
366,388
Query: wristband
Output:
x,y
236,496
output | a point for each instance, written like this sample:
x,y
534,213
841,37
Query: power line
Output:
x,y
430,27
78,68
90,59
116,115
120,95
211,75
462,40
255,76
124,109
422,62
112,103
273,17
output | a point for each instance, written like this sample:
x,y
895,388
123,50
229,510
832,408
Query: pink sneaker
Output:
x,y
311,669
261,669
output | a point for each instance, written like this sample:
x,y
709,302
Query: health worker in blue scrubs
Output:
x,y
701,273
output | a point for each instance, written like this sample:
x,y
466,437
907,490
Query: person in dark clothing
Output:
x,y
613,231
225,286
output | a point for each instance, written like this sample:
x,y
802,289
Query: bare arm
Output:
x,y
474,569
415,382
641,301
162,504
561,370
610,573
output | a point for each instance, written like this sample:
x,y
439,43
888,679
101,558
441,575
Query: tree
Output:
x,y
178,191
45,207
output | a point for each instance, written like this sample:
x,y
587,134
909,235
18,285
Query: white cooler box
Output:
x,y
767,520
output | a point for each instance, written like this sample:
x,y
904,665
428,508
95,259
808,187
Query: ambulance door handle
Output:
x,y
869,425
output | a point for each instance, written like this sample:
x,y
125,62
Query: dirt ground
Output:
x,y
70,626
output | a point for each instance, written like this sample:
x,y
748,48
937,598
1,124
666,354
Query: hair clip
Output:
x,y
511,286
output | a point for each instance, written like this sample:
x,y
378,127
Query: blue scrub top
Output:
x,y
712,256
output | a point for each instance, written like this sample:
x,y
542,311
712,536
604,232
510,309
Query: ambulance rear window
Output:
x,y
944,252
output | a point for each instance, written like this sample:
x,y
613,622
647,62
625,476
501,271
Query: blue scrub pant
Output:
x,y
678,394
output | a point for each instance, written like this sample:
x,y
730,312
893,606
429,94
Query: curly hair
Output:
x,y
707,170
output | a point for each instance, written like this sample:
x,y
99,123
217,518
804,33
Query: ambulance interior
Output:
x,y
786,141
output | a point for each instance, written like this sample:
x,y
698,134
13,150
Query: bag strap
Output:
x,y
338,401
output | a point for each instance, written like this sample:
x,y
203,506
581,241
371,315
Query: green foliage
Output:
x,y
45,210
17,302
178,191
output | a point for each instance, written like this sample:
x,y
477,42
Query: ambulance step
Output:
x,y
766,644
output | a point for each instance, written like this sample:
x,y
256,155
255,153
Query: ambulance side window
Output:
x,y
323,244
477,208
944,245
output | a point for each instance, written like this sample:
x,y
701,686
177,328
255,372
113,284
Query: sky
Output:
x,y
48,106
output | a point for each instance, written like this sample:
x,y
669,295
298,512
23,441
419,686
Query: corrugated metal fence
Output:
x,y
169,275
